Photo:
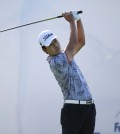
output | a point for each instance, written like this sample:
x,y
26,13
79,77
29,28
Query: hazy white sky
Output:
x,y
30,98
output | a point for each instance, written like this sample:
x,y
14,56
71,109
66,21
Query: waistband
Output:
x,y
87,102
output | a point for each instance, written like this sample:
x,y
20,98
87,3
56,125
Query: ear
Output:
x,y
44,49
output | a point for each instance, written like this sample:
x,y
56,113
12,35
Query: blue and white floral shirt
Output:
x,y
69,78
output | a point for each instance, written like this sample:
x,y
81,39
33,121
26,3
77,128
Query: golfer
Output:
x,y
78,112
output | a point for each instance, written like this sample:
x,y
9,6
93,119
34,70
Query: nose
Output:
x,y
55,44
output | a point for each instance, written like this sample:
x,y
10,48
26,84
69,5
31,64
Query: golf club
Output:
x,y
34,22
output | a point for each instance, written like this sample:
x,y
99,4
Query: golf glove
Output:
x,y
75,15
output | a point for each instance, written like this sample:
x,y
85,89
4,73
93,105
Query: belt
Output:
x,y
88,102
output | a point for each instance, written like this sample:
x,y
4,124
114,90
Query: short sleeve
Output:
x,y
59,63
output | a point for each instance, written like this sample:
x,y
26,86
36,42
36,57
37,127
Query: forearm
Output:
x,y
80,37
73,34
80,32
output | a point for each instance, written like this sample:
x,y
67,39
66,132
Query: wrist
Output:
x,y
72,21
78,20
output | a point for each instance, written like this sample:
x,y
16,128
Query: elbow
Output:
x,y
81,42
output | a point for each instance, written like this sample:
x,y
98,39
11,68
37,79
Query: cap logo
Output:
x,y
47,36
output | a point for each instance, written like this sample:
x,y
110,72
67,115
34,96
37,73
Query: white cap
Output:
x,y
46,37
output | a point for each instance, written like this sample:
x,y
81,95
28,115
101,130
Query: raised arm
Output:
x,y
73,36
77,38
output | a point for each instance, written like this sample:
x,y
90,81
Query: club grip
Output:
x,y
78,12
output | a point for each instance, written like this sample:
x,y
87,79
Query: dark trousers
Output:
x,y
78,119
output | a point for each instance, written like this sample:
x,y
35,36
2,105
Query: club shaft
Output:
x,y
34,22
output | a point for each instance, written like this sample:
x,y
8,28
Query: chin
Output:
x,y
57,53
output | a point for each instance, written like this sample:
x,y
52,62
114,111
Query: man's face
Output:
x,y
53,49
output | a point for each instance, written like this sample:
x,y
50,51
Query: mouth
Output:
x,y
57,48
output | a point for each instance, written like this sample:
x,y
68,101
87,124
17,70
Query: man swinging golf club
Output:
x,y
78,112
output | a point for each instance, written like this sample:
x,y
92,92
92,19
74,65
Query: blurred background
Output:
x,y
30,98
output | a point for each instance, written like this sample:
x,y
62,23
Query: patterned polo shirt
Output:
x,y
69,78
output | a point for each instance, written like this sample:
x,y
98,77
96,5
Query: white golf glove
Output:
x,y
75,15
